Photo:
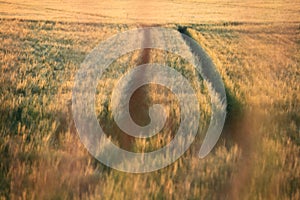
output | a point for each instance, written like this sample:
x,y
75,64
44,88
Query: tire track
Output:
x,y
139,104
238,129
139,101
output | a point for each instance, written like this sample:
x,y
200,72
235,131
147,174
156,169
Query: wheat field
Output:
x,y
255,47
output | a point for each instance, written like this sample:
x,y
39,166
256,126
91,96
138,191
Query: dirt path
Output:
x,y
138,104
238,129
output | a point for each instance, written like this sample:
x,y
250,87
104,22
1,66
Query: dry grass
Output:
x,y
155,11
256,55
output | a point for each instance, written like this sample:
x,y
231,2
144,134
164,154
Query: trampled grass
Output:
x,y
257,157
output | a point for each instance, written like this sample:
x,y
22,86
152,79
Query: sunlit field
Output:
x,y
255,47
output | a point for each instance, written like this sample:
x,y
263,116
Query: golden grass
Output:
x,y
256,55
155,11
